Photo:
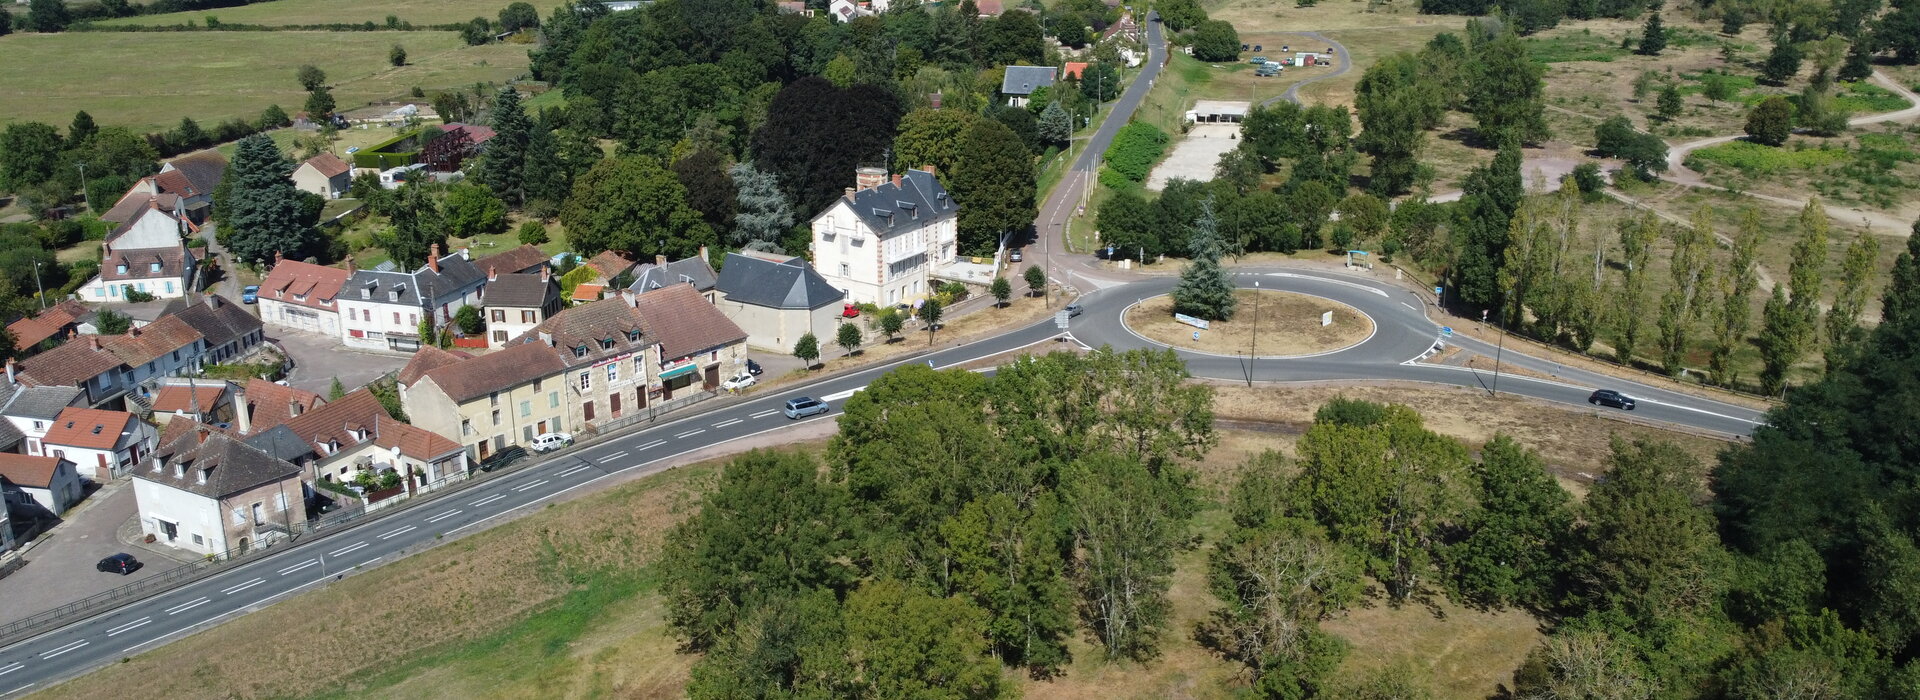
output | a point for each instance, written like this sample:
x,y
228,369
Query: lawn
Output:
x,y
212,76
308,12
1755,159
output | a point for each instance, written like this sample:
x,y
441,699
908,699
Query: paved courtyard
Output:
x,y
60,567
1195,154
318,359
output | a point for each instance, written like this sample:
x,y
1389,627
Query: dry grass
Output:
x,y
1286,324
1019,311
1465,653
1367,47
306,12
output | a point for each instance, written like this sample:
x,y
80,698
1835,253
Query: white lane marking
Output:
x,y
690,433
344,550
244,586
299,566
130,626
765,413
16,690
65,649
609,458
1409,306
10,668
399,532
444,516
725,423
1318,278
487,500
524,487
651,445
838,395
567,473
183,607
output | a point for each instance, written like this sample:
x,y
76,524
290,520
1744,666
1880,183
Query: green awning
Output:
x,y
688,368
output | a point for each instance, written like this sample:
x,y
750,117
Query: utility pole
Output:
x,y
38,290
83,186
1253,347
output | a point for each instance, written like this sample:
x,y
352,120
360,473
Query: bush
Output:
x,y
532,233
1770,122
1587,178
1216,41
1134,151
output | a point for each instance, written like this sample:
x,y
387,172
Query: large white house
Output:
x,y
146,254
303,296
382,310
881,241
208,492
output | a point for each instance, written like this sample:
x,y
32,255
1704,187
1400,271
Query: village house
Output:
x,y
881,242
52,325
490,402
382,310
227,331
209,492
777,299
51,482
209,401
690,271
109,367
148,254
1019,82
268,405
523,259
184,185
607,266
325,175
102,444
423,460
516,303
29,411
303,296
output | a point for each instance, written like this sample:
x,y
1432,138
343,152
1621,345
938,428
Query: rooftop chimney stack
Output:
x,y
242,417
850,194
493,273
13,369
660,260
930,170
350,266
869,177
703,254
545,273
433,257
278,257
896,180
94,342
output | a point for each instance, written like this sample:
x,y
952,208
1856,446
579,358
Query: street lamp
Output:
x,y
38,290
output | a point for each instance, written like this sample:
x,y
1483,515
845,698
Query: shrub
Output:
x,y
532,233
1135,149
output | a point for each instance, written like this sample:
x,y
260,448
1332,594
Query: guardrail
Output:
x,y
164,581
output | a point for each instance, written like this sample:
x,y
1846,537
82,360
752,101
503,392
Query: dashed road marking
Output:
x,y
651,445
10,668
399,532
567,473
725,423
444,516
183,607
487,500
344,550
136,624
244,586
765,413
65,649
299,566
524,487
689,433
609,458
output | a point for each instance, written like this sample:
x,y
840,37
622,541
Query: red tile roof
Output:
x,y
28,332
180,397
329,165
683,322
28,471
303,284
418,443
270,404
175,182
70,364
89,428
137,200
147,343
610,264
588,292
1073,69
332,422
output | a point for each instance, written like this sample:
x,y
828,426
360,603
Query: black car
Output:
x,y
753,368
122,564
1609,397
501,459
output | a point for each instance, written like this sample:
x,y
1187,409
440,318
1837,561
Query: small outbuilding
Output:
x,y
1219,111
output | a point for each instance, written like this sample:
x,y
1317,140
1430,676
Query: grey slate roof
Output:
x,y
527,291
456,277
219,321
779,284
693,271
1021,80
234,466
10,437
282,443
918,200
42,402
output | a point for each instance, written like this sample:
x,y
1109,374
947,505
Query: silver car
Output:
x,y
803,407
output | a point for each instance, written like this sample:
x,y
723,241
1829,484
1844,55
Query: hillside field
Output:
x,y
279,13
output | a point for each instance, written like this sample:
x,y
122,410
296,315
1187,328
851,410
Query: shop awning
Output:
x,y
688,368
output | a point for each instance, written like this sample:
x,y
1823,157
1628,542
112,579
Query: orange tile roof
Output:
x,y
429,358
270,404
89,428
328,164
359,410
292,279
1073,69
28,332
588,292
29,471
180,397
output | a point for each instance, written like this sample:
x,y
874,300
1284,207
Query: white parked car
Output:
x,y
739,381
548,442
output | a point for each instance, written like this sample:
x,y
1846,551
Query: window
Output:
x,y
499,336
639,366
466,427
496,416
579,351
280,502
528,317
606,343
153,267
396,318
526,408
499,315
613,373
633,336
493,399
553,399
413,319
586,381
197,540
845,270
169,287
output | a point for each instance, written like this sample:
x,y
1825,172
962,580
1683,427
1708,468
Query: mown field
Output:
x,y
280,13
148,81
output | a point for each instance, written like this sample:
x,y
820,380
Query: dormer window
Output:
x,y
154,267
120,268
579,351
606,343
633,336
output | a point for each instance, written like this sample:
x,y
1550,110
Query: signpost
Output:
x,y
1199,323
1060,319
1326,319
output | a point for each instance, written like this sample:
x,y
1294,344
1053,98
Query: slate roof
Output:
x,y
788,283
521,291
457,275
291,279
889,208
139,262
70,364
204,169
418,443
1023,80
333,421
230,464
684,323
591,325
90,428
10,437
497,371
41,402
181,397
525,258
271,405
694,271
280,442
328,165
429,358
136,201
28,471
218,320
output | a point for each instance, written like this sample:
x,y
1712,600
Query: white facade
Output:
x,y
180,518
872,269
299,317
98,464
373,324
153,228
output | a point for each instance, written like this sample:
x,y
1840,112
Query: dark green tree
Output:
x,y
993,183
1653,37
1205,289
816,135
81,130
1859,62
311,78
930,312
48,16
263,210
847,337
1036,280
1770,122
1128,522
29,155
469,320
1783,62
417,225
1650,547
631,204
1517,538
397,56
1505,92
1215,41
1055,125
320,104
519,15
503,165
1002,290
709,190
471,210
807,348
1007,560
932,137
1670,103
1492,196
1899,31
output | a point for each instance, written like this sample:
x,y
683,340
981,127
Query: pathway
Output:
x,y
1343,62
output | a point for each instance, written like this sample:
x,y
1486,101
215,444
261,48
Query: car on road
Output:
x,y
1609,397
1073,310
548,442
250,295
1014,255
122,564
803,407
738,382
506,456
753,368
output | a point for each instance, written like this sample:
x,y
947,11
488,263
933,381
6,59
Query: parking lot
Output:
x,y
1195,155
318,359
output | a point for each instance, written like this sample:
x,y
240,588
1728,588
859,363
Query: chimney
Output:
x,y
930,170
94,341
433,257
13,369
703,254
850,194
278,257
545,273
350,266
869,177
934,100
896,180
242,415
547,338
633,300
133,331
660,260
200,435
493,273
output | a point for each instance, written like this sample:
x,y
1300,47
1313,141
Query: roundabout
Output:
x,y
1267,324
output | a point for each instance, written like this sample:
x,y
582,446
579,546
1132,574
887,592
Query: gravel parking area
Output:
x,y
1194,156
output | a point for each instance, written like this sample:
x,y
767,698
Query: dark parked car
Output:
x,y
753,368
122,564
499,460
803,407
1609,397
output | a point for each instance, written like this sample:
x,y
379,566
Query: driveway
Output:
x,y
318,359
60,569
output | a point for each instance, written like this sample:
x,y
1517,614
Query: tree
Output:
x,y
1505,92
848,337
265,214
1055,125
517,16
1791,316
1518,536
1899,31
891,321
1636,246
532,232
1215,41
6,23
1691,269
930,315
1670,103
114,323
1783,62
397,55
476,31
1036,280
762,214
1737,281
29,155
631,204
1135,148
1717,87
1850,299
417,226
48,16
469,320
932,137
81,130
1651,551
1205,289
320,104
472,210
1770,122
1181,14
709,190
1859,62
1396,104
1491,196
336,391
311,77
817,134
1653,37
1644,153
994,184
1007,559
503,165
807,348
1128,523
902,642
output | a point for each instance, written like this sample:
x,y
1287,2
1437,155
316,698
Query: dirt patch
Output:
x,y
1195,155
1285,323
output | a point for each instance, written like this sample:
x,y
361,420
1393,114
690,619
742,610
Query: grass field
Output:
x,y
279,13
148,81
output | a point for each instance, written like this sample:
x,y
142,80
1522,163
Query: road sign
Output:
x,y
1060,319
1437,291
1326,319
1446,331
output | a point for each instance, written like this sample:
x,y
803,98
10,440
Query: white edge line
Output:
x,y
16,690
1522,377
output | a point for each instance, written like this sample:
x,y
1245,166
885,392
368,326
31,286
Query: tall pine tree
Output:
x,y
262,207
1205,289
503,168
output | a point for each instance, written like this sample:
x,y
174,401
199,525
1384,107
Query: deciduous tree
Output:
x,y
1036,280
1127,522
472,210
1215,41
933,137
1505,92
847,337
993,183
632,204
1734,316
1517,539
